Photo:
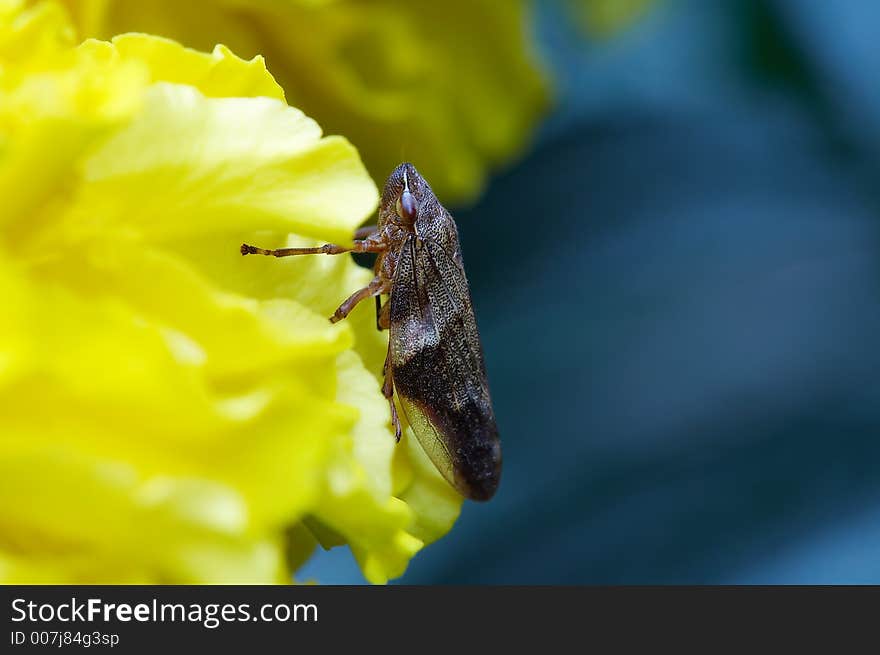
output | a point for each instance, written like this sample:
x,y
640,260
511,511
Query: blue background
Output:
x,y
678,291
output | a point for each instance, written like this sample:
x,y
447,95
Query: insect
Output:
x,y
435,359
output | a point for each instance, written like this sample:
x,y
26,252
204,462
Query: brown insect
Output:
x,y
435,359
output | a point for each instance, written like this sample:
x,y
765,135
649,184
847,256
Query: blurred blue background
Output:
x,y
678,291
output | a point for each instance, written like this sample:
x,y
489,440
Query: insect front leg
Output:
x,y
361,245
388,392
374,288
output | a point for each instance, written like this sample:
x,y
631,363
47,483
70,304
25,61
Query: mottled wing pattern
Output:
x,y
438,368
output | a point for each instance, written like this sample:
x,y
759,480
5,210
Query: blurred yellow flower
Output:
x,y
603,18
170,412
454,85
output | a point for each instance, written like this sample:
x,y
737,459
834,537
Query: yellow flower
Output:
x,y
171,412
453,86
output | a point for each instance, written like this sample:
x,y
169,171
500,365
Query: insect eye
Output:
x,y
407,207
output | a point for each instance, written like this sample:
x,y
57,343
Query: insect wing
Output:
x,y
438,368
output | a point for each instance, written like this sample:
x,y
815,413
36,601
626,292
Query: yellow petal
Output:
x,y
220,74
189,165
120,519
453,86
357,502
434,503
172,411
33,34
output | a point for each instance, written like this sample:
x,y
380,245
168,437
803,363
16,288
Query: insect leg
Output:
x,y
388,392
365,231
363,245
383,314
374,288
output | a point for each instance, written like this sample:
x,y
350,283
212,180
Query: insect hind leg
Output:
x,y
383,314
388,392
